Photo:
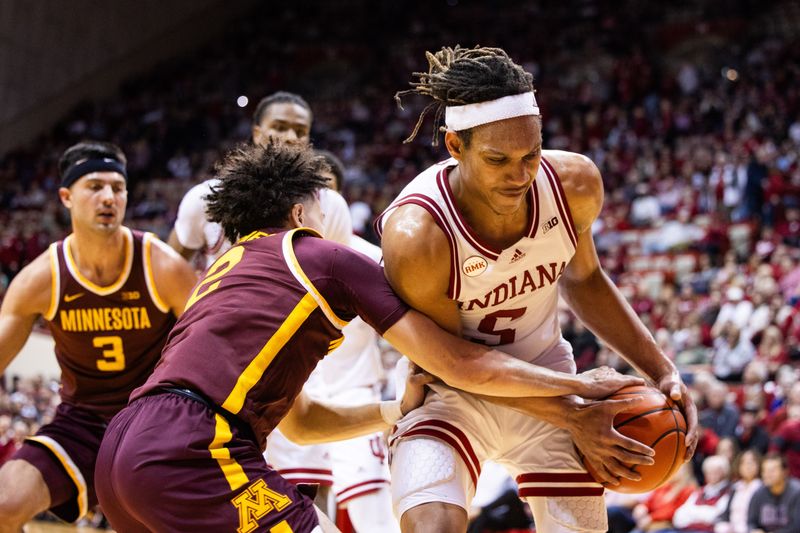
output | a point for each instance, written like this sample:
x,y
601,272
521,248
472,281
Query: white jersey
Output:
x,y
505,297
357,361
196,232
192,227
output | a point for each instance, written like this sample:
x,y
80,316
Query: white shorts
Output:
x,y
353,467
299,464
540,456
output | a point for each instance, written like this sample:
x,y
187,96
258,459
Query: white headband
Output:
x,y
464,117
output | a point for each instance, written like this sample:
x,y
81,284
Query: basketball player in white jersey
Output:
x,y
282,115
352,374
484,243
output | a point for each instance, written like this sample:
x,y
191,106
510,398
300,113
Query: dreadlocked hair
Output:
x,y
258,185
460,76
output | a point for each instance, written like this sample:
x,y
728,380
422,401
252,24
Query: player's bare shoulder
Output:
x,y
582,182
414,247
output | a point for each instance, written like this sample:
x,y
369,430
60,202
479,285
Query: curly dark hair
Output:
x,y
258,185
460,76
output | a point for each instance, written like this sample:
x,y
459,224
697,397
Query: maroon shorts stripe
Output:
x,y
360,489
556,477
309,471
526,492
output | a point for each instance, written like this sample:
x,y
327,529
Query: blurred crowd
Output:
x,y
694,126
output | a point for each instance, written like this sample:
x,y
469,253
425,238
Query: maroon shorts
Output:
x,y
64,451
169,463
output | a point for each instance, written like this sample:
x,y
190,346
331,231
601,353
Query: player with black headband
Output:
x,y
110,295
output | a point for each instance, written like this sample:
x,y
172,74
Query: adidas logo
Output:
x,y
518,254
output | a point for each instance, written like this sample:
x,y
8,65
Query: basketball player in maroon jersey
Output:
x,y
110,295
464,243
185,455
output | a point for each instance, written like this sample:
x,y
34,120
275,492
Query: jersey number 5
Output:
x,y
489,323
221,266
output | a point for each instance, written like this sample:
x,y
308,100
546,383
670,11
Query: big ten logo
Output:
x,y
130,295
550,224
378,448
255,502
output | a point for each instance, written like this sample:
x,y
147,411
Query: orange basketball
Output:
x,y
658,423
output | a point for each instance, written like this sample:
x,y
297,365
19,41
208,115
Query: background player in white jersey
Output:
x,y
282,115
350,375
483,243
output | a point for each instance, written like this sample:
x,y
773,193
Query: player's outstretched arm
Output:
x,y
311,421
28,296
475,368
584,285
174,277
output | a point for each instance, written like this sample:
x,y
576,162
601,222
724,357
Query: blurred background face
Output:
x,y
748,467
286,122
714,473
772,472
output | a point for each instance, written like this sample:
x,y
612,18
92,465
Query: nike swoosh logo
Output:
x,y
69,297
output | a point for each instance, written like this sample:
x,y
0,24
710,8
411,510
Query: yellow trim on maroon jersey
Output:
x,y
233,471
150,280
255,370
253,236
72,470
335,343
55,283
88,284
297,271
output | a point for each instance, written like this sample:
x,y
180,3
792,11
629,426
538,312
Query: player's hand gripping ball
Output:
x,y
658,423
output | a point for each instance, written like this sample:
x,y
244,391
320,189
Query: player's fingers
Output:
x,y
626,456
620,470
675,393
634,447
618,406
601,474
629,381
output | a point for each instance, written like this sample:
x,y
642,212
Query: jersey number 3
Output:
x,y
113,359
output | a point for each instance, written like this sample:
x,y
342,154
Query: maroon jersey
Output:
x,y
268,310
108,339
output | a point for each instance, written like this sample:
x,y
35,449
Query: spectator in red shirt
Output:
x,y
655,513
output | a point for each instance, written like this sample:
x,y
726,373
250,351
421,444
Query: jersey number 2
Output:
x,y
221,266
